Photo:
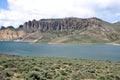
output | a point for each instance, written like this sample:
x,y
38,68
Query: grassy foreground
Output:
x,y
55,68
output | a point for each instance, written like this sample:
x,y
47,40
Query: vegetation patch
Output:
x,y
113,37
14,67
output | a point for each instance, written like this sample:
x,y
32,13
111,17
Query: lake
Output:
x,y
85,51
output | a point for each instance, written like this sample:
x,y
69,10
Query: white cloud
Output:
x,y
24,10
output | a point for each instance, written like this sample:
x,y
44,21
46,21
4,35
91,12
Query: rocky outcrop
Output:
x,y
65,24
10,35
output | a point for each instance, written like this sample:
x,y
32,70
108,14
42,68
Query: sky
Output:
x,y
16,12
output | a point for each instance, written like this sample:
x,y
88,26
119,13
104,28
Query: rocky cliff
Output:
x,y
65,24
10,35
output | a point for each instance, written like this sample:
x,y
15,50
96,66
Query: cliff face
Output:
x,y
10,35
65,24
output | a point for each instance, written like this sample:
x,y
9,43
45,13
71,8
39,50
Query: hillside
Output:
x,y
14,67
69,30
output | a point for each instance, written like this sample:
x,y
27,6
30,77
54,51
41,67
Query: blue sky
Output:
x,y
16,12
4,4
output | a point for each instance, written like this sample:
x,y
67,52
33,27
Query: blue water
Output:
x,y
96,51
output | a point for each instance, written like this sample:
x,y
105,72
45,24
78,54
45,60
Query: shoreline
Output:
x,y
56,57
63,57
116,44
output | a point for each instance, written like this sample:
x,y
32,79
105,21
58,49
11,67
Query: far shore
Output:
x,y
113,44
116,44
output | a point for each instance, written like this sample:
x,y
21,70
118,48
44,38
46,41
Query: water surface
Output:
x,y
96,51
